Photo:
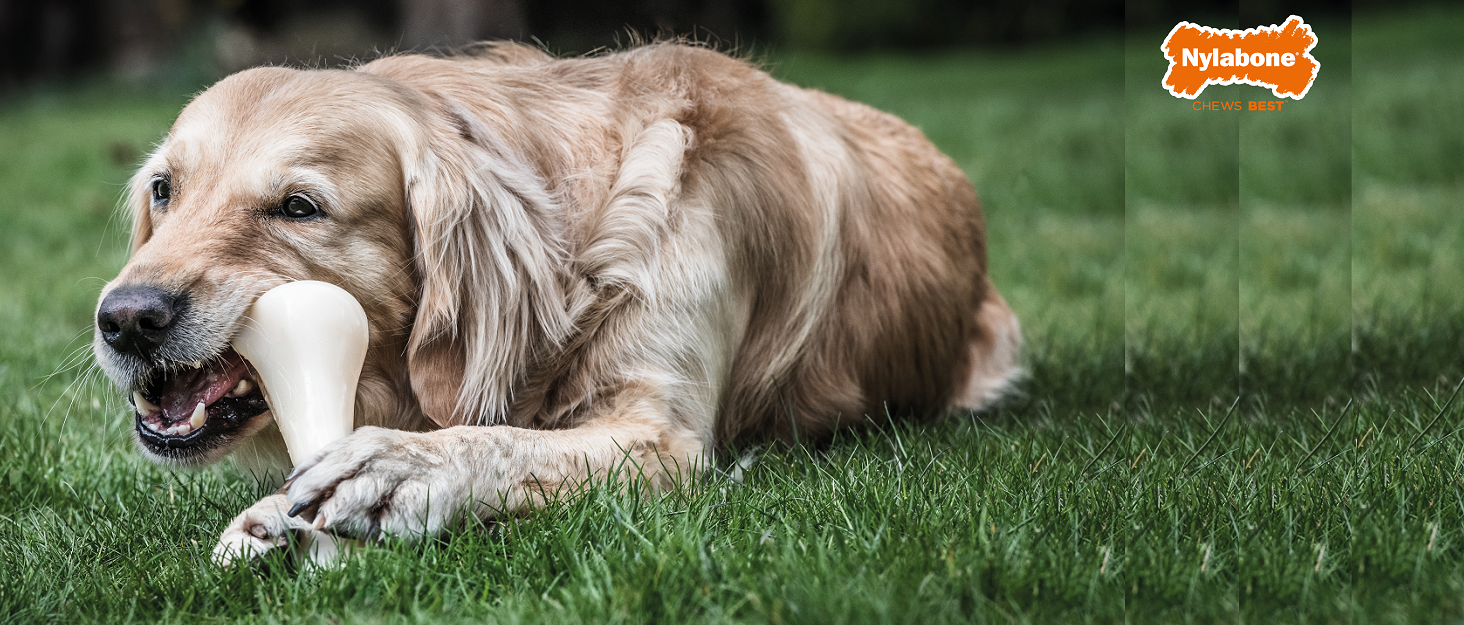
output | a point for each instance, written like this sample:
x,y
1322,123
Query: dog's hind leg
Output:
x,y
995,352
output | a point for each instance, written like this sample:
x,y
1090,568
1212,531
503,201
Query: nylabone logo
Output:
x,y
1277,57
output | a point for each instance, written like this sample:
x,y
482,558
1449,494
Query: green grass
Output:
x,y
1164,262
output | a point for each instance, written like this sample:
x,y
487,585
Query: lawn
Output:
x,y
1244,335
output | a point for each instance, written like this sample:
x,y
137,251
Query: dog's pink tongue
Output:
x,y
183,391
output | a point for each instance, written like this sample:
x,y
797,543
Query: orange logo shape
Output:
x,y
1277,57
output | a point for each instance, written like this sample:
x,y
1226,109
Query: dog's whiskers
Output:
x,y
85,383
73,359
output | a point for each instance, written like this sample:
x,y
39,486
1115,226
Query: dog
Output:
x,y
572,268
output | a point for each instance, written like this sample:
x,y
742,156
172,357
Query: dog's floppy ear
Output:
x,y
490,260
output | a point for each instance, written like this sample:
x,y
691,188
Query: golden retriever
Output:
x,y
572,268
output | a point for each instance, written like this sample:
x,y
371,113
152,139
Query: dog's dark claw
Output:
x,y
296,509
374,533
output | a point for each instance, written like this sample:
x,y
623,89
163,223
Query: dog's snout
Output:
x,y
136,319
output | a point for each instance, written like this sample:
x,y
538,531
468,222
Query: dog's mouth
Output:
x,y
188,409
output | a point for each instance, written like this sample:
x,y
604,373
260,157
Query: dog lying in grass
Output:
x,y
571,268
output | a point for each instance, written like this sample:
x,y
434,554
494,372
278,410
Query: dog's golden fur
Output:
x,y
648,252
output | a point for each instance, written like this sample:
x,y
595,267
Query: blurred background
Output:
x,y
138,39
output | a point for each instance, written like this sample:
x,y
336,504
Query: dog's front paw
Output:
x,y
263,527
379,481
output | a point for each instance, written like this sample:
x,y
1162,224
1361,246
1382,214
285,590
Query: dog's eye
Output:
x,y
161,191
298,207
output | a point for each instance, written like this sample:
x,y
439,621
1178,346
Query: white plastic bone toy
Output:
x,y
307,341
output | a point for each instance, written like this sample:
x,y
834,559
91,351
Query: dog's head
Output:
x,y
275,175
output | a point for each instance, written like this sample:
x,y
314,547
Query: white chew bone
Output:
x,y
307,340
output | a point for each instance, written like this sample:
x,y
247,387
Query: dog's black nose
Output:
x,y
136,319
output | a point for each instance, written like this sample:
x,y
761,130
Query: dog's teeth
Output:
x,y
199,416
143,405
182,429
240,389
